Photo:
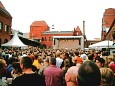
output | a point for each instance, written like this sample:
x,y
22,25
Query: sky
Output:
x,y
64,14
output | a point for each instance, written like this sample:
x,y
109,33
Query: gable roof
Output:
x,y
2,8
77,29
39,23
15,42
1,5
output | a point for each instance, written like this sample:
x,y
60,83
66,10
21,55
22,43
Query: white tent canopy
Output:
x,y
102,44
15,42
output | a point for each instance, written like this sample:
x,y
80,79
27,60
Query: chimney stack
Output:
x,y
83,28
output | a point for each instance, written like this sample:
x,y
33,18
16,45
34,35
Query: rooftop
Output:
x,y
2,8
57,32
39,23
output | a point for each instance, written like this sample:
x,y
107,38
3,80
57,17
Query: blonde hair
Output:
x,y
106,76
40,60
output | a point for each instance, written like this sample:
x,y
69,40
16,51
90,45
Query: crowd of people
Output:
x,y
57,67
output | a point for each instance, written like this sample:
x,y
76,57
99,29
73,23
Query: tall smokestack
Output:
x,y
83,28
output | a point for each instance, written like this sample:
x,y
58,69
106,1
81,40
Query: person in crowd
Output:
x,y
53,74
83,56
35,62
34,69
96,54
65,68
11,60
110,60
16,70
46,64
91,57
58,59
28,78
67,57
72,72
112,67
89,74
100,62
107,77
4,70
76,55
40,63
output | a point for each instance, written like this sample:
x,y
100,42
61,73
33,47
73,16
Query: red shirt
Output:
x,y
112,67
53,76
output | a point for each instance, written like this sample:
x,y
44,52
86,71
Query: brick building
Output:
x,y
110,35
5,24
108,22
40,30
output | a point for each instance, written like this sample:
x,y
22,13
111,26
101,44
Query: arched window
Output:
x,y
5,40
6,28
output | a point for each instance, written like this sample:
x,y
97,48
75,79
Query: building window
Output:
x,y
50,39
1,25
45,39
6,28
42,39
54,41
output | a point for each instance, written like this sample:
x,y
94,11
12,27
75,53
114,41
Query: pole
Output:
x,y
108,48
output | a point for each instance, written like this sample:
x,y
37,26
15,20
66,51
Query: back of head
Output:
x,y
40,60
16,66
2,64
52,60
89,74
27,62
76,53
106,76
90,57
66,63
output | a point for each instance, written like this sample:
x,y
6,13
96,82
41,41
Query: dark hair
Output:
x,y
67,55
89,74
76,53
27,62
36,56
52,60
16,66
101,60
34,68
90,57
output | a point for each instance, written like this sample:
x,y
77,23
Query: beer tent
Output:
x,y
15,42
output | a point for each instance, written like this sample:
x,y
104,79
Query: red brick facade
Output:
x,y
108,19
40,30
111,32
5,24
36,29
47,38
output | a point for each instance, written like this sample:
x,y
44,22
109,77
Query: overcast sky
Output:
x,y
64,14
